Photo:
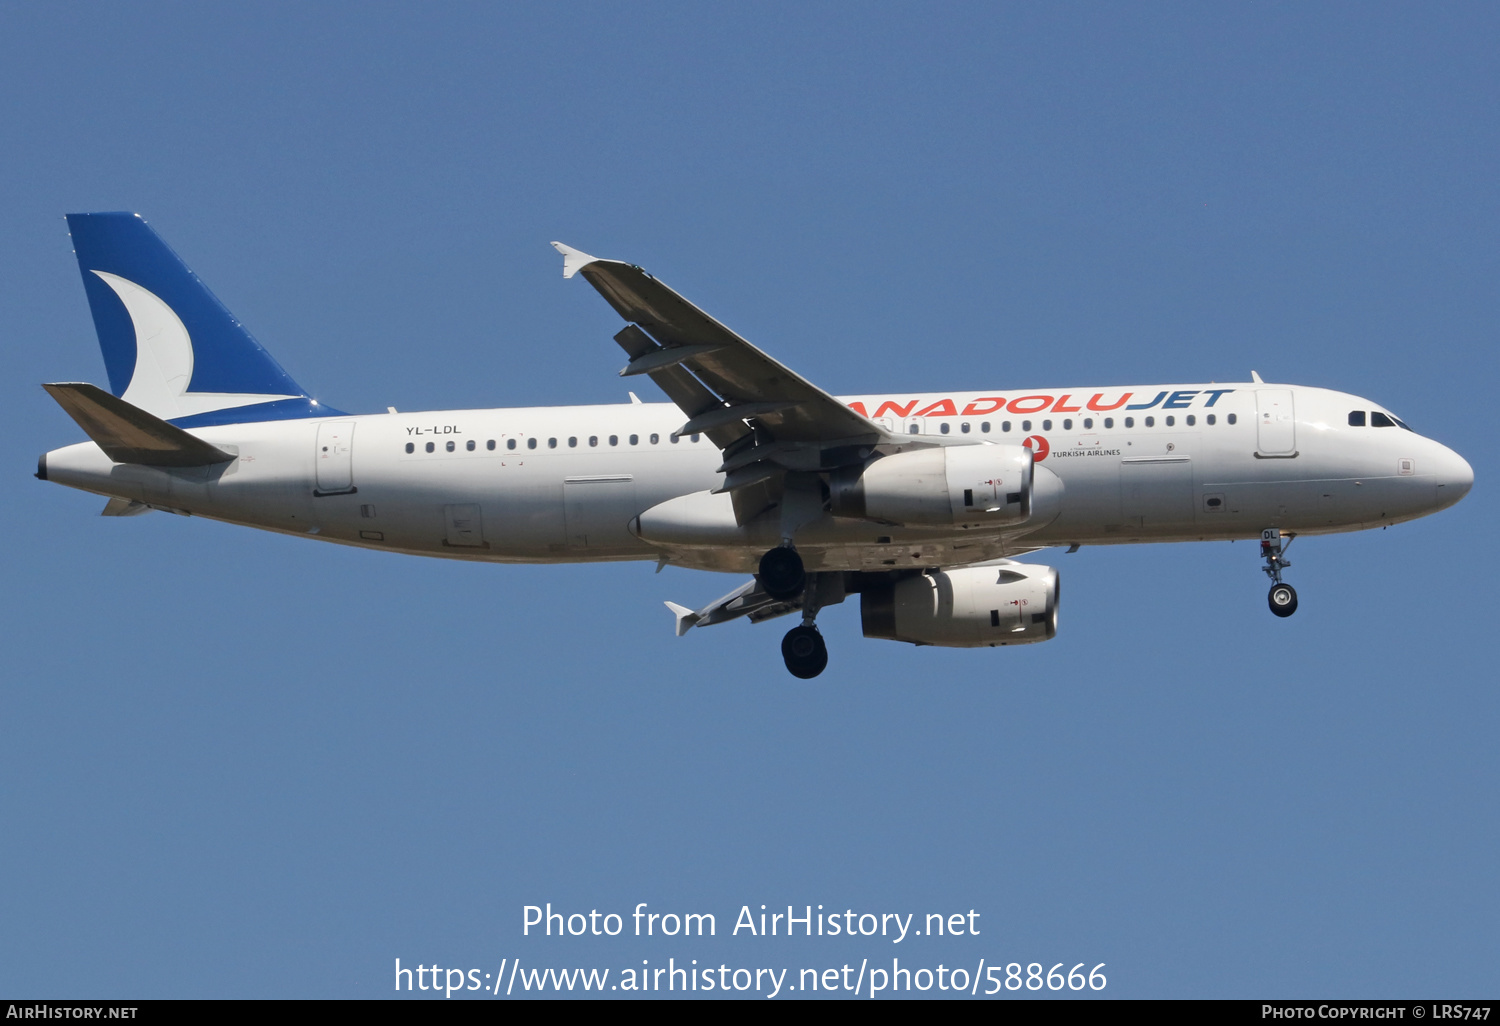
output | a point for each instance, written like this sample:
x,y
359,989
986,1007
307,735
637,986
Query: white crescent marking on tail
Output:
x,y
164,359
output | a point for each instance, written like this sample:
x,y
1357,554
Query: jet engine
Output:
x,y
958,484
969,607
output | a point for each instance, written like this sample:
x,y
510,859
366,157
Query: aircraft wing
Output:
x,y
728,388
749,599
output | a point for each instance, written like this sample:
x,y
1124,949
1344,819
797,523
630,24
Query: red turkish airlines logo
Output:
x,y
1039,447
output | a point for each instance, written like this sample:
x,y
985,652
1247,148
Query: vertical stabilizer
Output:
x,y
170,347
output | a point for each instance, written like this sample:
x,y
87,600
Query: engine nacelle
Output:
x,y
941,486
970,607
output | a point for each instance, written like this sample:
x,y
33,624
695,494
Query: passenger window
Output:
x,y
1005,425
696,437
1356,418
510,443
635,439
572,441
1130,422
593,440
1068,424
1151,422
410,447
431,447
552,443
964,427
1109,422
984,426
490,445
1046,425
1210,420
469,445
531,443
614,439
1025,425
451,446
1088,423
1378,419
1191,420
1171,421
1231,419
655,438
673,439
943,428
912,429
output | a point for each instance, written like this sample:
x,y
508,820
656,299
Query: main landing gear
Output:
x,y
804,651
1283,597
781,573
784,578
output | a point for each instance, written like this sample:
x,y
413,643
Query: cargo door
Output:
x,y
1156,492
335,458
598,509
1275,422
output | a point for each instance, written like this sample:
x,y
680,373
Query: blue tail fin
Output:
x,y
170,347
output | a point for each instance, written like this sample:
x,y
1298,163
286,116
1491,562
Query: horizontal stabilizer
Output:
x,y
128,434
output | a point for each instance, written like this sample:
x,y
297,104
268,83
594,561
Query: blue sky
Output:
x,y
238,764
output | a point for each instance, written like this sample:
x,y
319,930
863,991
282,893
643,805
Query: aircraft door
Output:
x,y
598,510
335,458
1275,422
1156,492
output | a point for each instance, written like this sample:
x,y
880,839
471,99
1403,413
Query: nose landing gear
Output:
x,y
1283,597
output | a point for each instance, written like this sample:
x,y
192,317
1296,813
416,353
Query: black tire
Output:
x,y
805,653
1282,599
781,574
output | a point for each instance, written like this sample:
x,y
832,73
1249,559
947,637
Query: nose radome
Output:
x,y
1454,476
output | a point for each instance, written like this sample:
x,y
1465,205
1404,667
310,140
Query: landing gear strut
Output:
x,y
1283,597
803,648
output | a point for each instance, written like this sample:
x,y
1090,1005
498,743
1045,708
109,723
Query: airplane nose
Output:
x,y
1454,477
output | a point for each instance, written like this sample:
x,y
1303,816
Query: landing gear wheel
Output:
x,y
1283,599
781,574
804,651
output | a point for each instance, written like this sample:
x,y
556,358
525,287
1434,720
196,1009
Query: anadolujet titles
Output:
x,y
918,504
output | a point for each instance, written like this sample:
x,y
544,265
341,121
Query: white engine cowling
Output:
x,y
957,484
970,607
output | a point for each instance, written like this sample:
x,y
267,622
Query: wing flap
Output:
x,y
749,599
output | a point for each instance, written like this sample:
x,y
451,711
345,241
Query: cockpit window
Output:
x,y
1378,419
1356,418
1401,423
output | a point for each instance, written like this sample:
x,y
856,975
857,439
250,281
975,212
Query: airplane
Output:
x,y
919,504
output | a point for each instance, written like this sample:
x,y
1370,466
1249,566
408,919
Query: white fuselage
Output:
x,y
566,484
